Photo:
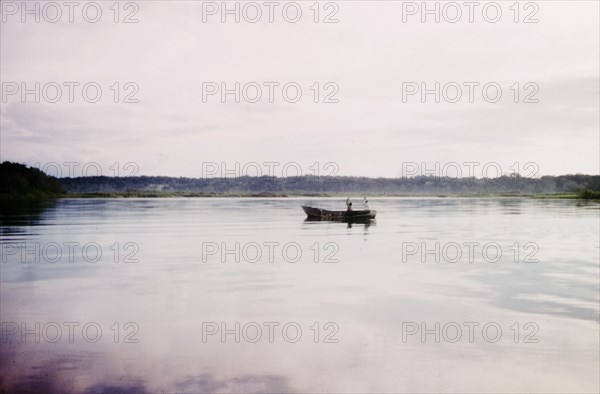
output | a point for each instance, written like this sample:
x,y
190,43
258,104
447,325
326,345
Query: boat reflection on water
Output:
x,y
367,222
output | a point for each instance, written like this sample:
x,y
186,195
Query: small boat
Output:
x,y
324,214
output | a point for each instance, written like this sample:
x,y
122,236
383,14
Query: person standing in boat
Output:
x,y
348,205
366,202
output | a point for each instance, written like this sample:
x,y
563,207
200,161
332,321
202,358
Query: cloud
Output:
x,y
367,55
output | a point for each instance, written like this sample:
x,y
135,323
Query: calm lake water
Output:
x,y
244,295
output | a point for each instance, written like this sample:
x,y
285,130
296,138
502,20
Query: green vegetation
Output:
x,y
19,182
565,186
561,196
589,194
584,194
146,194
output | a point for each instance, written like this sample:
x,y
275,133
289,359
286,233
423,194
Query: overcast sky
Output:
x,y
367,56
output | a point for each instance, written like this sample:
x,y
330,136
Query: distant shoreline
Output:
x,y
19,182
144,194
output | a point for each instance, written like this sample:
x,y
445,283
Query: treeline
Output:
x,y
425,185
18,181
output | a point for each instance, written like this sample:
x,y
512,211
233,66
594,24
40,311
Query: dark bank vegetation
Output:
x,y
589,194
18,181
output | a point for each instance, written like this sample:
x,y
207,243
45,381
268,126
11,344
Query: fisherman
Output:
x,y
366,202
348,205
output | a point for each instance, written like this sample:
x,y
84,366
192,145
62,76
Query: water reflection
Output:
x,y
17,213
366,222
510,206
94,373
372,288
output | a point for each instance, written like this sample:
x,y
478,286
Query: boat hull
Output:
x,y
324,214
